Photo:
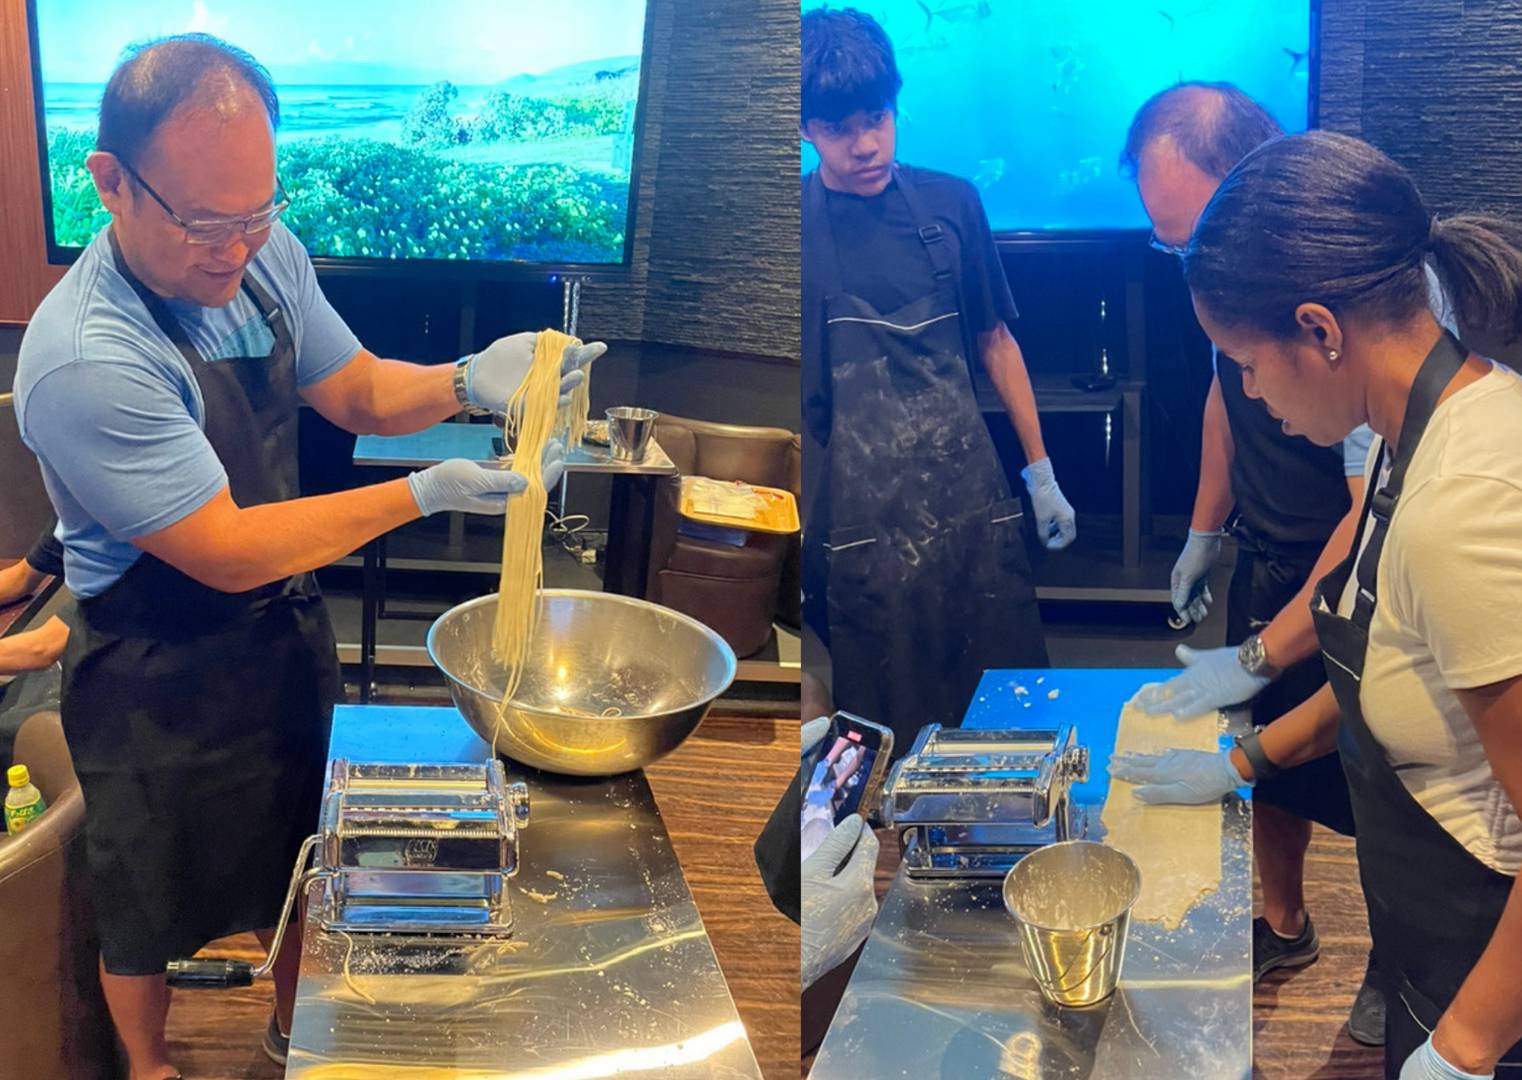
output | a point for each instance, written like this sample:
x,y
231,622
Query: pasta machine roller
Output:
x,y
969,803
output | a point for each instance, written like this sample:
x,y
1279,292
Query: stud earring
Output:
x,y
1331,354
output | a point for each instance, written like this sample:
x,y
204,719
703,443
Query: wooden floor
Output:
x,y
1299,1016
715,794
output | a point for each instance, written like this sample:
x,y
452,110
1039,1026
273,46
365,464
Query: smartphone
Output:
x,y
843,776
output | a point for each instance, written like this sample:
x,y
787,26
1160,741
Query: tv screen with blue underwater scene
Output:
x,y
470,131
1031,100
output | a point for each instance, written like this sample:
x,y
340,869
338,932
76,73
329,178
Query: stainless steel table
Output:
x,y
631,511
608,971
942,990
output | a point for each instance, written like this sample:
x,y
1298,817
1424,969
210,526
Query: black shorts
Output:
x,y
1260,586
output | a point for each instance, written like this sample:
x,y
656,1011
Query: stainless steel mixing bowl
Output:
x,y
592,653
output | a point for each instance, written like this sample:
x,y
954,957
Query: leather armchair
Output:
x,y
734,589
58,1027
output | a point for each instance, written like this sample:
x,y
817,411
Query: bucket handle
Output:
x,y
1107,931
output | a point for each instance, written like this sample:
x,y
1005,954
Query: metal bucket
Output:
x,y
629,432
1072,902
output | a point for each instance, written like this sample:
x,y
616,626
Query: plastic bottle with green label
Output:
x,y
23,802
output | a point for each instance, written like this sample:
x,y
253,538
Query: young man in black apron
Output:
x,y
159,384
1308,268
916,577
1287,502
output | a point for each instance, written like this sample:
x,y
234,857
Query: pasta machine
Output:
x,y
422,850
969,803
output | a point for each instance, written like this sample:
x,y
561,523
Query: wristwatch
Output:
x,y
1252,749
1254,658
460,393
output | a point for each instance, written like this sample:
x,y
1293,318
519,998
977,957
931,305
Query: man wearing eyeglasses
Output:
x,y
1291,501
158,384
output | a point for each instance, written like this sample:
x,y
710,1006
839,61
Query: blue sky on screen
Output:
x,y
470,42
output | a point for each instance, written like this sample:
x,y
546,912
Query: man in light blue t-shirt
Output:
x,y
158,384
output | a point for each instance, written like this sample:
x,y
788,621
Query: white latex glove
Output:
x,y
1425,1063
493,375
1191,573
838,909
1183,777
1212,679
1056,524
458,484
812,734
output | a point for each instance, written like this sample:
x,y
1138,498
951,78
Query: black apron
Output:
x,y
1266,578
913,533
198,720
1432,905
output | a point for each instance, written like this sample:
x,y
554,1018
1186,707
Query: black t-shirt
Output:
x,y
1289,492
883,261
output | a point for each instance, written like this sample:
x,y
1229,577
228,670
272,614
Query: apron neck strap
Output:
x,y
165,320
1437,371
931,234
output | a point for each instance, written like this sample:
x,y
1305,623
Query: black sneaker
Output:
x,y
1270,951
1366,1023
277,1046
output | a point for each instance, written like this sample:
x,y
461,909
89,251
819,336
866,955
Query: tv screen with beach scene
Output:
x,y
466,132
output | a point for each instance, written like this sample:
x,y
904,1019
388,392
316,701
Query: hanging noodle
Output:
x,y
573,418
532,417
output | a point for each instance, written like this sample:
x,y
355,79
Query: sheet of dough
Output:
x,y
1177,848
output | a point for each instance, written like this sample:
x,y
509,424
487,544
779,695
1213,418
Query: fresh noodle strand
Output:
x,y
533,417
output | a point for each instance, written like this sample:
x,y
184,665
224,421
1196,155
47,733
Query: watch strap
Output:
x,y
1252,749
461,394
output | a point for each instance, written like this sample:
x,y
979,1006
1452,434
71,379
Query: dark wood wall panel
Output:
x,y
1437,85
725,245
25,276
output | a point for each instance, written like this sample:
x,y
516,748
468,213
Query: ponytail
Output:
x,y
1479,261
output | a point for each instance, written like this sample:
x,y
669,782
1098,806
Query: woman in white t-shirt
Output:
x,y
1307,268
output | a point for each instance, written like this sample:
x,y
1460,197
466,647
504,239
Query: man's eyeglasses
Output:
x,y
1167,249
209,233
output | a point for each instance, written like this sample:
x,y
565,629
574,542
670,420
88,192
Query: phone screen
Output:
x,y
839,774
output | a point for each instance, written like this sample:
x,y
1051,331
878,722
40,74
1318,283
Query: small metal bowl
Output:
x,y
592,653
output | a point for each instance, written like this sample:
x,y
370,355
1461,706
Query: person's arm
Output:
x,y
374,396
233,549
1213,498
19,580
1305,733
1291,636
33,650
1484,1020
1006,369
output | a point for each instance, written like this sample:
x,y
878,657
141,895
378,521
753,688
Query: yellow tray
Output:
x,y
780,514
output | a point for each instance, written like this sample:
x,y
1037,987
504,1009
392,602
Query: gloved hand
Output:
x,y
1425,1063
838,909
493,375
812,734
1185,777
1056,524
1212,679
1191,574
458,484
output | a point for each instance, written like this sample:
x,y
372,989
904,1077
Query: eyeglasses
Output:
x,y
1167,249
209,233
